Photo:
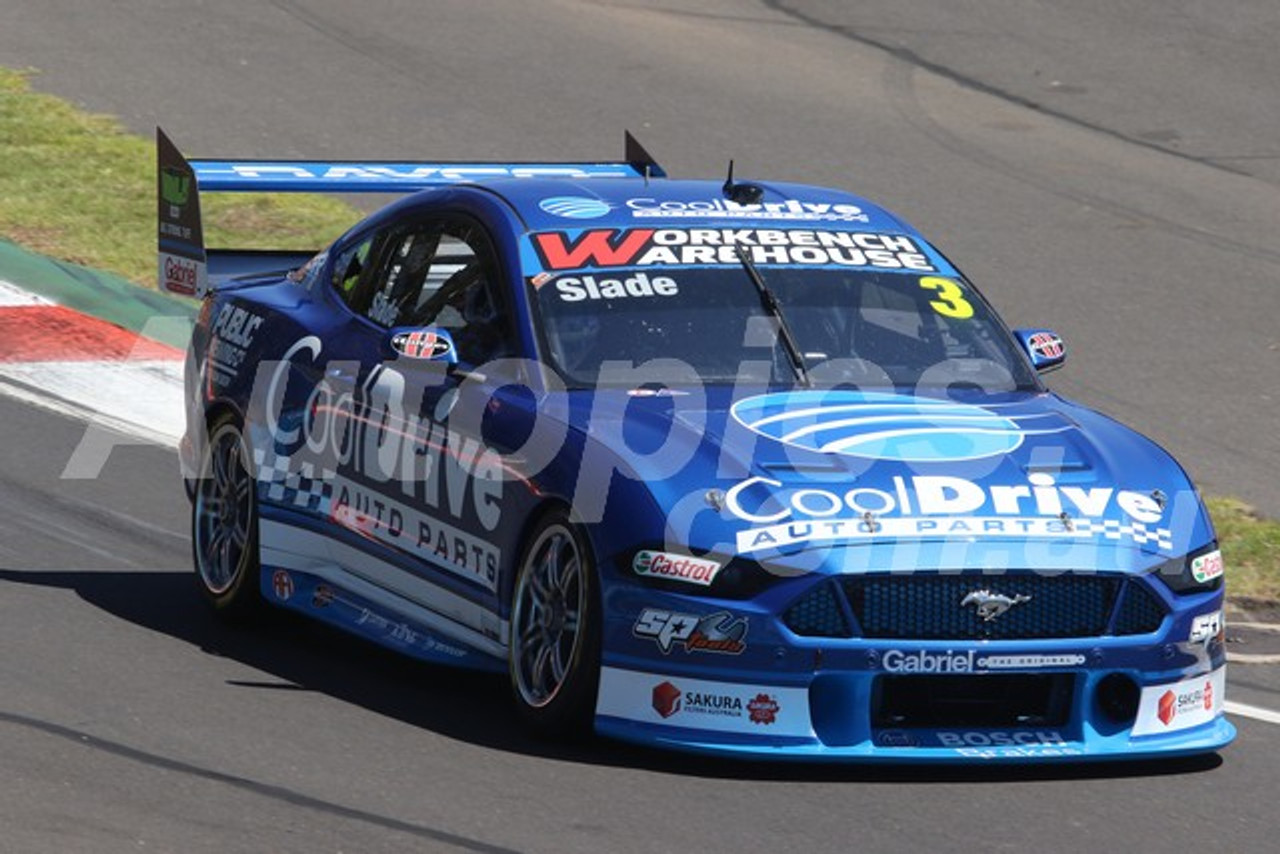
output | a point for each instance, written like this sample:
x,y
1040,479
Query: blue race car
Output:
x,y
732,467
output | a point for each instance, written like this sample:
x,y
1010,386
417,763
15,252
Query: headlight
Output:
x,y
1198,572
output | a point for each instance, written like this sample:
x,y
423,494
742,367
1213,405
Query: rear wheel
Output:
x,y
554,655
224,524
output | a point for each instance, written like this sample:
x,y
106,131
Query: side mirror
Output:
x,y
427,343
1044,347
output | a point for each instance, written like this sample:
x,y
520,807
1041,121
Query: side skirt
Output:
x,y
307,571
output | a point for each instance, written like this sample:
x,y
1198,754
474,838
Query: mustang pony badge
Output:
x,y
991,605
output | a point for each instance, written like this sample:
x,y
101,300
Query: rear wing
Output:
x,y
186,267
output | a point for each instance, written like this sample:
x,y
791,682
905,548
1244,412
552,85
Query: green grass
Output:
x,y
78,187
1250,549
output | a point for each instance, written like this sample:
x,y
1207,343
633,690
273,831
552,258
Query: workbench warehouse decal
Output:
x,y
645,247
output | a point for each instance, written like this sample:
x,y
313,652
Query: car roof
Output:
x,y
559,204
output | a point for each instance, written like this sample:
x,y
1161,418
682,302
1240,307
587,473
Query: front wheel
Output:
x,y
554,655
224,525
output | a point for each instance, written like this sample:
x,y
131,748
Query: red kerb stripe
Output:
x,y
54,333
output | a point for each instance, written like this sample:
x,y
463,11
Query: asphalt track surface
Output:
x,y
1104,172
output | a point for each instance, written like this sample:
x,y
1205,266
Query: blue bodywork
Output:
x,y
777,579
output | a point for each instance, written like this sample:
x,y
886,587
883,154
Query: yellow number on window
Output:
x,y
950,301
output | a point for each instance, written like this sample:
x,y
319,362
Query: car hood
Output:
x,y
956,481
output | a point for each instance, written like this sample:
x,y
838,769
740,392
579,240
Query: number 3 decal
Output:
x,y
950,301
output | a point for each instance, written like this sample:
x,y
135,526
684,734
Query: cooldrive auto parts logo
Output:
x,y
901,429
791,209
423,488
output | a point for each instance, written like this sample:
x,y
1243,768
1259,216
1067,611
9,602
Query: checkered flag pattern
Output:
x,y
296,487
1138,532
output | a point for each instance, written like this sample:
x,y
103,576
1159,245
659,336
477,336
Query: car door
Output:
x,y
420,482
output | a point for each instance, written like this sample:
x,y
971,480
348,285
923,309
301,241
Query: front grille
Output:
x,y
930,606
1006,701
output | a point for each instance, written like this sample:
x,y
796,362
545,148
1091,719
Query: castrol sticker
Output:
x,y
676,567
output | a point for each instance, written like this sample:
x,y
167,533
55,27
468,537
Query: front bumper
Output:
x,y
833,720
742,684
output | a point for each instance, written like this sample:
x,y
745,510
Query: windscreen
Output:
x,y
863,326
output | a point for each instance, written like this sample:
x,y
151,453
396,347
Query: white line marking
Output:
x,y
1263,627
1253,658
1256,712
12,296
142,398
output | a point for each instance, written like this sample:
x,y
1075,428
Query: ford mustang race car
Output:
x,y
736,467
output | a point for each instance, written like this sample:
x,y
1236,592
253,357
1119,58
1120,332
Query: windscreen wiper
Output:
x,y
773,308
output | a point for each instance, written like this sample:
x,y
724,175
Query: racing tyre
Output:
x,y
224,525
554,656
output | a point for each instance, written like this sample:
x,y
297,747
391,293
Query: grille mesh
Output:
x,y
928,607
818,614
1140,612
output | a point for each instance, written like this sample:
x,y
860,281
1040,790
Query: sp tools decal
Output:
x,y
1206,627
421,344
720,632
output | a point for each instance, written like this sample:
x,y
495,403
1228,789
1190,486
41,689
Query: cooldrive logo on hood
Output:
x,y
907,504
576,207
886,426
